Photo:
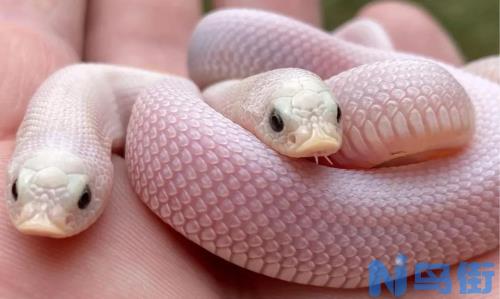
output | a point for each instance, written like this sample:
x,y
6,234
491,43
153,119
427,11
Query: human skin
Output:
x,y
307,12
422,34
129,252
33,44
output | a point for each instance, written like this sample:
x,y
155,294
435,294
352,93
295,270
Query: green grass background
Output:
x,y
474,24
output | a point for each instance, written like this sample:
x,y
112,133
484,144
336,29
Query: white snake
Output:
x,y
222,188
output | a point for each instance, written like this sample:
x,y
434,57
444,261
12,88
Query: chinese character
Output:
x,y
470,278
379,273
442,282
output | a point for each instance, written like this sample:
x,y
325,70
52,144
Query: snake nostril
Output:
x,y
292,138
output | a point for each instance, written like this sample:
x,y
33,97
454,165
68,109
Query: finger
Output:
x,y
421,34
128,253
152,34
36,38
65,19
307,11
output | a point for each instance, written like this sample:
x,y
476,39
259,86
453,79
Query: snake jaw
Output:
x,y
308,141
33,221
318,144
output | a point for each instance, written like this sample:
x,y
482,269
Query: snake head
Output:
x,y
52,196
303,118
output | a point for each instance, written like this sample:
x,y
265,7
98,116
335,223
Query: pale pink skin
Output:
x,y
136,242
364,31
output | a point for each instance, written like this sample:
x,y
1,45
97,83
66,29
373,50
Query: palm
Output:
x,y
128,253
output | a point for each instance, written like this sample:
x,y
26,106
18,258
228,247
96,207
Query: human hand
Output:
x,y
128,252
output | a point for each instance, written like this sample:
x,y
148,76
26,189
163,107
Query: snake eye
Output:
x,y
276,121
339,114
14,190
85,198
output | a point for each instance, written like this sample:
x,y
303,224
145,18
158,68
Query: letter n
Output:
x,y
379,273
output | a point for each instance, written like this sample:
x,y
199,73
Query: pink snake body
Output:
x,y
220,187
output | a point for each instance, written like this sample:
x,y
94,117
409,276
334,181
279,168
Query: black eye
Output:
x,y
14,190
276,122
339,114
84,200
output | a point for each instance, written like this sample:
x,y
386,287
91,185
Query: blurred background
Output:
x,y
473,24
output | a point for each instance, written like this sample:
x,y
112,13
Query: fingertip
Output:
x,y
306,11
413,29
32,55
152,34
